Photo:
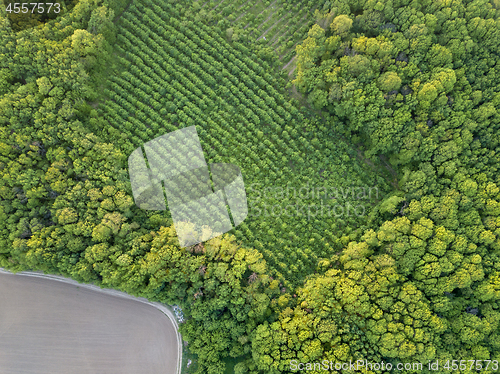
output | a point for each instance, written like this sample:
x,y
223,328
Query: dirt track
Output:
x,y
49,327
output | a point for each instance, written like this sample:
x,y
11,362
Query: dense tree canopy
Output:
x,y
420,85
414,86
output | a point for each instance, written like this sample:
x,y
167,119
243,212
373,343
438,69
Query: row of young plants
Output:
x,y
179,73
279,24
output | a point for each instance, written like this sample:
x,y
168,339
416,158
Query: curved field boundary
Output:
x,y
162,308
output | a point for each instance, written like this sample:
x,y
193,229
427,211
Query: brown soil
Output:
x,y
48,326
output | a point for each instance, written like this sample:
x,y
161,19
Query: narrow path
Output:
x,y
123,11
242,5
242,14
258,14
273,10
291,49
218,5
289,62
284,42
271,27
275,38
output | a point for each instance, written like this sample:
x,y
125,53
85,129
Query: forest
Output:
x,y
384,114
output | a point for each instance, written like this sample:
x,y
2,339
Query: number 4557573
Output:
x,y
40,7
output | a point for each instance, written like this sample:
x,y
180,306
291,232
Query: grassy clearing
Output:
x,y
290,158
